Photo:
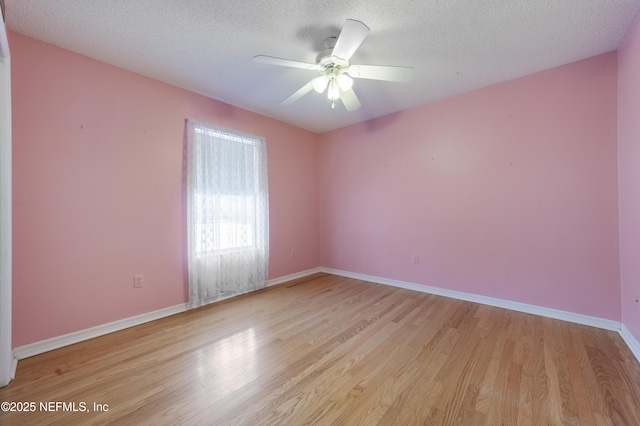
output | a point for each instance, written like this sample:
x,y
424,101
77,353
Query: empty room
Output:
x,y
320,213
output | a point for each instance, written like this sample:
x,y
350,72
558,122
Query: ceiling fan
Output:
x,y
336,72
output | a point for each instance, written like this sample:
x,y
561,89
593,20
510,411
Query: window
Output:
x,y
227,210
219,231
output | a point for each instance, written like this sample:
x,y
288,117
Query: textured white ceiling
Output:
x,y
207,46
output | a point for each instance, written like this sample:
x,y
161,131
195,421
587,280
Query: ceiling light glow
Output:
x,y
344,81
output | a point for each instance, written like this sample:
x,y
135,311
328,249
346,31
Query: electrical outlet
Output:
x,y
416,259
138,281
293,252
637,297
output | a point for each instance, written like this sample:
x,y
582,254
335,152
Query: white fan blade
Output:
x,y
300,93
285,62
350,100
382,72
352,35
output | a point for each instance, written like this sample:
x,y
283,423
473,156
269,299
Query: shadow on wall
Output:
x,y
377,124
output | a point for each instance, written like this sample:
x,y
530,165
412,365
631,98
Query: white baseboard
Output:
x,y
14,367
631,341
291,277
491,301
47,345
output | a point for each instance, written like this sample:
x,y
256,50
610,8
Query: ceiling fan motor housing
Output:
x,y
326,59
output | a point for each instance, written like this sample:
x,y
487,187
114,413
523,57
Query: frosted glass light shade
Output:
x,y
344,81
320,83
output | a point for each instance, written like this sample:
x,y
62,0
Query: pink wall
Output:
x,y
629,174
97,195
509,192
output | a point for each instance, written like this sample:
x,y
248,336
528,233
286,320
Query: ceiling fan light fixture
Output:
x,y
320,83
344,81
336,71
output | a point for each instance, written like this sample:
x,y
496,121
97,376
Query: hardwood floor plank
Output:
x,y
337,351
539,381
486,398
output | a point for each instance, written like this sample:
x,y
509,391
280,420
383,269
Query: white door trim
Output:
x,y
7,362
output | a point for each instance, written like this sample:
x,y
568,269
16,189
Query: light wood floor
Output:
x,y
338,351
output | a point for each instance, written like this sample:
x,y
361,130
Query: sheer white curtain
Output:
x,y
227,213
